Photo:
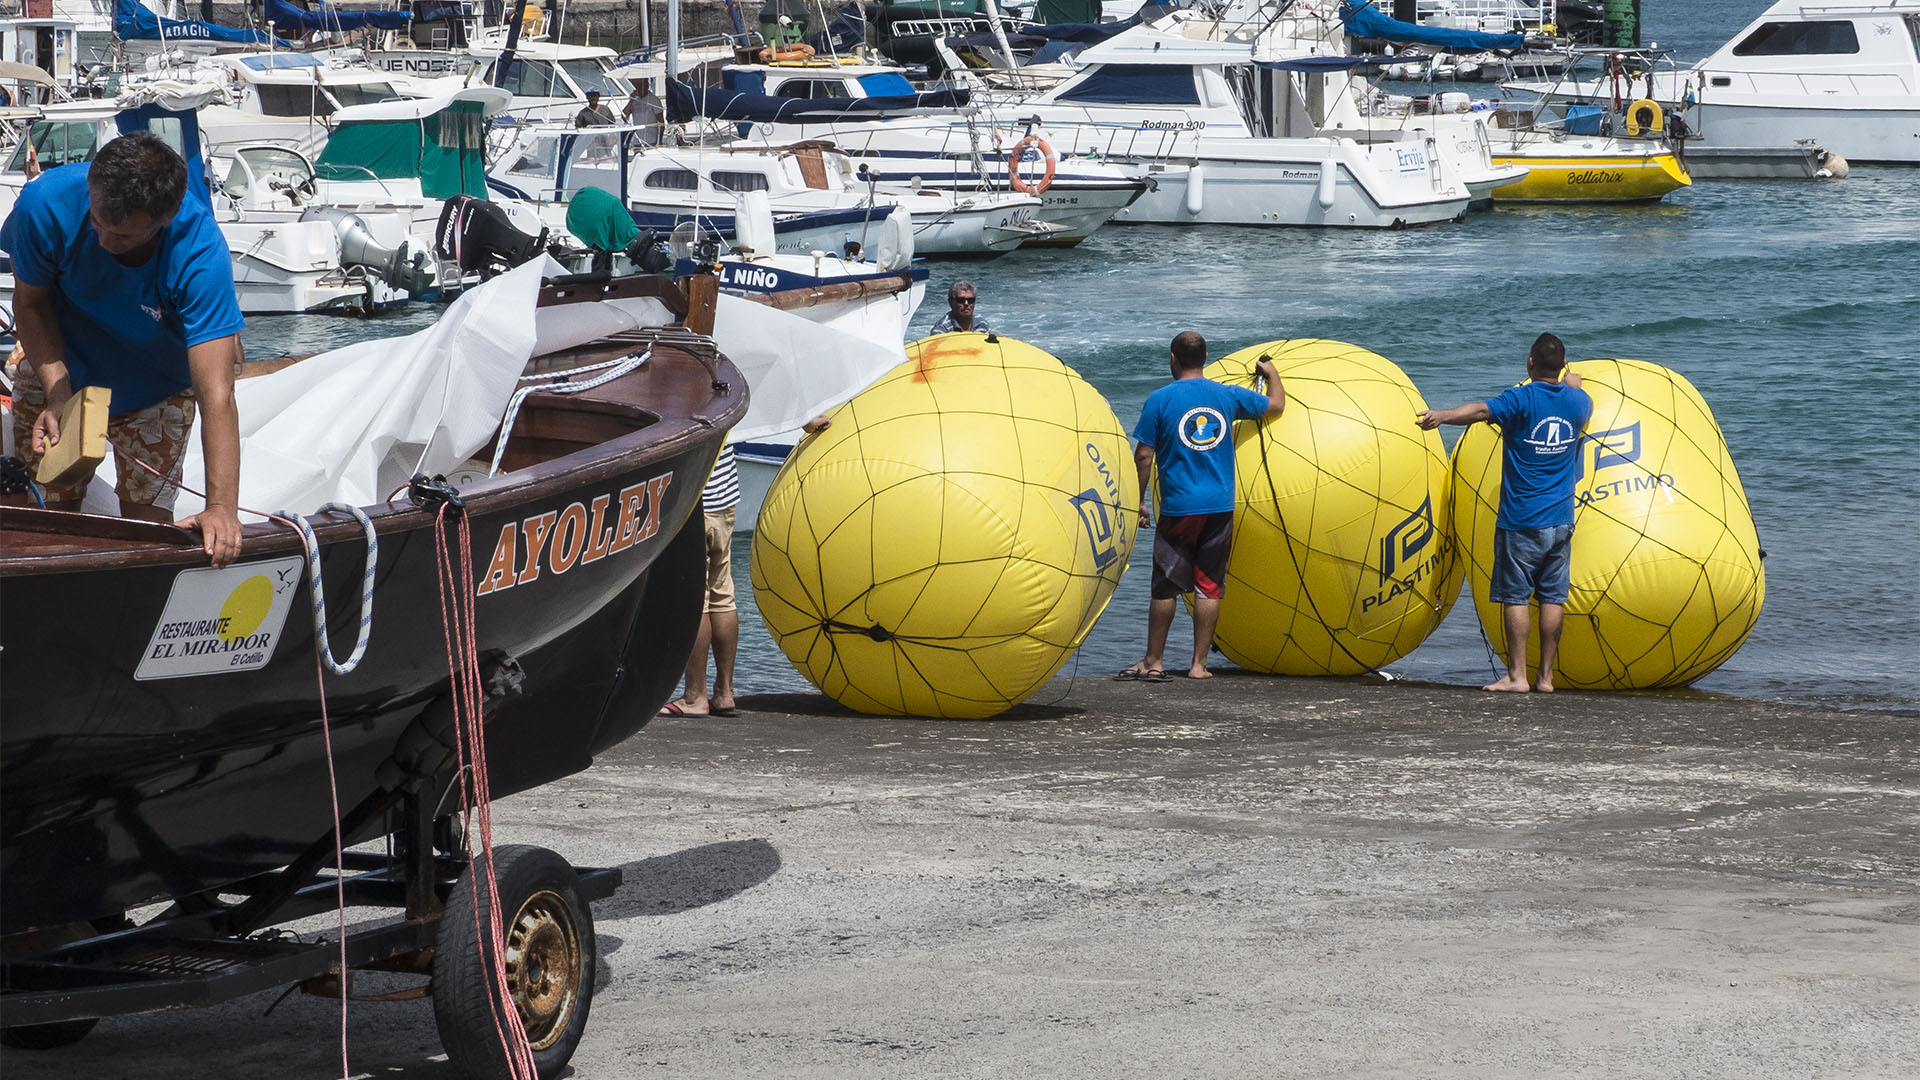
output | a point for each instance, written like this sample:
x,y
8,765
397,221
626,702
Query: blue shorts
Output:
x,y
1531,563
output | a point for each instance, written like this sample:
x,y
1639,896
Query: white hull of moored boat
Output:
x,y
1383,186
969,229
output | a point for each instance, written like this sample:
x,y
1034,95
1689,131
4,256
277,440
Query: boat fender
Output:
x,y
1324,191
786,54
1047,155
1644,117
1833,166
1196,190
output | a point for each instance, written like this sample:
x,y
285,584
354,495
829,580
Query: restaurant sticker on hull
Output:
x,y
219,621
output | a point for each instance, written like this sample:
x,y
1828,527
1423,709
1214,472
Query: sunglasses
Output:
x,y
963,299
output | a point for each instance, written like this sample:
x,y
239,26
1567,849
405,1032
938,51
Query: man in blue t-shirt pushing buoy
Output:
x,y
1186,430
1540,424
123,281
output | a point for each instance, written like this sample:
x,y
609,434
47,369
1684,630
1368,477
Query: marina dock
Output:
x,y
1251,877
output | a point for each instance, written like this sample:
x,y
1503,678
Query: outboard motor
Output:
x,y
479,237
404,267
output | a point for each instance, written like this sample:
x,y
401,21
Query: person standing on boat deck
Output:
x,y
1540,424
720,626
595,114
645,112
124,281
1186,431
961,316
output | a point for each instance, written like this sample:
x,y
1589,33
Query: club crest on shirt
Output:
x,y
1202,428
153,312
1553,435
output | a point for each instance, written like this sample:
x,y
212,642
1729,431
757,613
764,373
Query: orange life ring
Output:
x,y
1013,165
799,50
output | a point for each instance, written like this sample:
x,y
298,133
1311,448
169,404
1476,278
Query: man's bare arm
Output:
x,y
212,364
1473,412
38,326
1143,460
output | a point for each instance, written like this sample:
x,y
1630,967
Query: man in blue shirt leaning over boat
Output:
x,y
1186,430
124,281
1540,423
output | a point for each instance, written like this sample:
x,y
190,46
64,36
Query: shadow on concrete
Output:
x,y
822,705
696,877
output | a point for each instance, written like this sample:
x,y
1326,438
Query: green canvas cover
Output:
x,y
445,151
1067,11
596,218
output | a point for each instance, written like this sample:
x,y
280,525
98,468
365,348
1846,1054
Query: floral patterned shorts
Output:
x,y
156,435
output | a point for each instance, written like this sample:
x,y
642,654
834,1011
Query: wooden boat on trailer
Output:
x,y
147,758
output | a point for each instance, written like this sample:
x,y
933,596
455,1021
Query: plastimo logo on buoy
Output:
x,y
559,540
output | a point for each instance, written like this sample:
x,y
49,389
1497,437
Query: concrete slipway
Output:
x,y
1249,877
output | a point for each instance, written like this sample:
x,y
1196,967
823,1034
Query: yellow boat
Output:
x,y
1588,169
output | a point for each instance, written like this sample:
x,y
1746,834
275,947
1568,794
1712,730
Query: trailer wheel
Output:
x,y
550,959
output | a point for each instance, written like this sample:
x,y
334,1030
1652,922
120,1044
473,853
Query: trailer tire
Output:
x,y
550,962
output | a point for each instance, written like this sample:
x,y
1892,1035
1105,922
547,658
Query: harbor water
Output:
x,y
1791,305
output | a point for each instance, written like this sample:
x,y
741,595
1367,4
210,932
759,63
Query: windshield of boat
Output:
x,y
361,93
1829,37
56,142
590,74
277,168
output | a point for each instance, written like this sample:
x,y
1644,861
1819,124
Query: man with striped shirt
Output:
x,y
720,626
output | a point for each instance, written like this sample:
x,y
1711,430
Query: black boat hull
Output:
x,y
118,790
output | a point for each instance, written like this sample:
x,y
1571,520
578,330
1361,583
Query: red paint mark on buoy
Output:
x,y
932,353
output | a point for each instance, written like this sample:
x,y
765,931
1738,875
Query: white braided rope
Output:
x,y
312,545
617,368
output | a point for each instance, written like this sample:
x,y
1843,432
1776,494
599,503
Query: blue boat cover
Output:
x,y
1135,84
135,23
1365,20
1320,65
287,15
685,103
846,30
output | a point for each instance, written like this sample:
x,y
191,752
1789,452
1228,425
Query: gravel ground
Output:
x,y
1250,877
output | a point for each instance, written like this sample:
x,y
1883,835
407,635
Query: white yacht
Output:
x,y
807,180
1844,74
1226,134
962,155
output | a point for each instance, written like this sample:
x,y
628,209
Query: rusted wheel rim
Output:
x,y
543,966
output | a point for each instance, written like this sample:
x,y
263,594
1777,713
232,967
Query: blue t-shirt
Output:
x,y
1189,424
127,327
1540,424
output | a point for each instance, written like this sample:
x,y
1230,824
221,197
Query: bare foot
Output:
x,y
1199,671
1544,686
1508,685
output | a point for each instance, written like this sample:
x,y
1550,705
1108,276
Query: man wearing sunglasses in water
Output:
x,y
124,281
961,316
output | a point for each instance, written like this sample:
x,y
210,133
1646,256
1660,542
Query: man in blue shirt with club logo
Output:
x,y
1186,429
123,281
1540,424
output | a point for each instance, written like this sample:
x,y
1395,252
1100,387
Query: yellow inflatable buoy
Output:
x,y
1666,577
948,542
1342,560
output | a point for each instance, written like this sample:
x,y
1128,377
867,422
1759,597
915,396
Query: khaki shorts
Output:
x,y
720,560
156,435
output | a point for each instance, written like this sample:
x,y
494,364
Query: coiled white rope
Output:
x,y
312,545
545,379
